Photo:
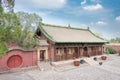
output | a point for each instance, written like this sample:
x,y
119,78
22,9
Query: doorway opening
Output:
x,y
85,51
42,55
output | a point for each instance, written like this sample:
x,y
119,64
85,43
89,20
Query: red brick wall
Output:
x,y
29,58
115,47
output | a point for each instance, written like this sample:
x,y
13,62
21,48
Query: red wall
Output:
x,y
116,47
29,58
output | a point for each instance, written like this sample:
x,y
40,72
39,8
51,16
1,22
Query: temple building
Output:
x,y
62,43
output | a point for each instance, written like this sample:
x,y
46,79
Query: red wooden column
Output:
x,y
87,51
53,53
101,50
95,51
81,52
66,52
98,50
78,52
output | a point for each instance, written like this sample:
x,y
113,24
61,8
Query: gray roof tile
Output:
x,y
62,34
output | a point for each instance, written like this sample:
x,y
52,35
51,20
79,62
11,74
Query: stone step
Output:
x,y
68,67
45,66
90,61
62,63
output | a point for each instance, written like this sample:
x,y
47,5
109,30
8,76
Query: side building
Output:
x,y
62,43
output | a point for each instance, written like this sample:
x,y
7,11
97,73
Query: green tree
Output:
x,y
29,20
17,29
10,24
109,50
9,28
29,23
26,39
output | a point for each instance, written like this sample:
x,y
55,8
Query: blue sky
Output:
x,y
101,16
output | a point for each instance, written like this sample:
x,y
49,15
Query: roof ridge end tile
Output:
x,y
58,26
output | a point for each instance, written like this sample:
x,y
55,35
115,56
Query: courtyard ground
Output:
x,y
110,70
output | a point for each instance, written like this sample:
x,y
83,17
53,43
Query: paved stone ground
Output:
x,y
110,70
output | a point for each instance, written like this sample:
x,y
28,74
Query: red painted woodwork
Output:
x,y
85,51
76,53
14,61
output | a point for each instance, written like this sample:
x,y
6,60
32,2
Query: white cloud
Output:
x,y
92,7
45,4
101,23
118,32
83,2
117,18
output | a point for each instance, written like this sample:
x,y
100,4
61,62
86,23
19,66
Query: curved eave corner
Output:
x,y
104,41
46,34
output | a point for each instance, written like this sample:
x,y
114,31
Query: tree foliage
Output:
x,y
5,28
29,20
13,30
109,50
29,23
10,27
26,39
10,30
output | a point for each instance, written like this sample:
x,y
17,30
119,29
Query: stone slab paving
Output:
x,y
112,64
15,76
110,70
84,73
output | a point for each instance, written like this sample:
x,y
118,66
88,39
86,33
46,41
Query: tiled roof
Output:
x,y
70,35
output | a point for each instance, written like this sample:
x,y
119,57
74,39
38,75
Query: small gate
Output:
x,y
14,61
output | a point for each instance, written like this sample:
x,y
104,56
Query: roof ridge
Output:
x,y
58,26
